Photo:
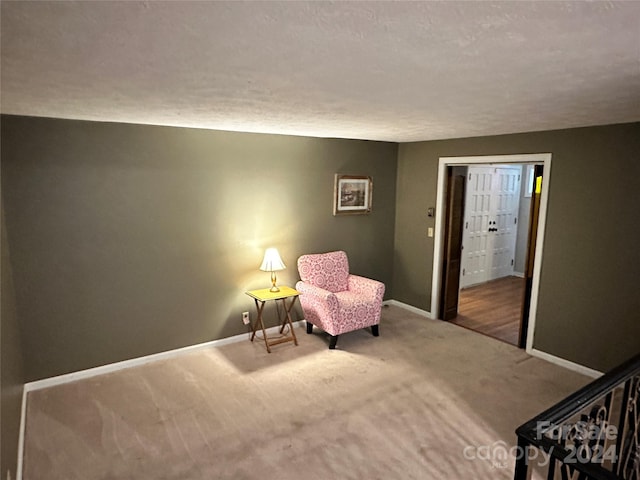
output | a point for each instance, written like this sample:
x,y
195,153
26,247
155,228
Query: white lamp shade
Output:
x,y
272,261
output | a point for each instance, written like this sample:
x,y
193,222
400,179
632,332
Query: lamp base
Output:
x,y
273,283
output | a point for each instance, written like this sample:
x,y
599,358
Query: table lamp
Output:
x,y
272,263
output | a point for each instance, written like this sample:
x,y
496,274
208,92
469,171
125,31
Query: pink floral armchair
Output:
x,y
334,300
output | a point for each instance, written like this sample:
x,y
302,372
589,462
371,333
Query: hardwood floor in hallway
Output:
x,y
493,308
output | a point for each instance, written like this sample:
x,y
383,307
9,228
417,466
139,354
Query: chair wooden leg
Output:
x,y
309,327
333,341
375,330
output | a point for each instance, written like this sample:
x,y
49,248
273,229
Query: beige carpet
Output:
x,y
408,404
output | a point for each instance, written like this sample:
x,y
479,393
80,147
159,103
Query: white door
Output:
x,y
490,224
476,247
506,196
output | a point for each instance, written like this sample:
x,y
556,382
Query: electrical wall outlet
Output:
x,y
245,318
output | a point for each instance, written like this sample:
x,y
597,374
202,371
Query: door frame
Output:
x,y
438,250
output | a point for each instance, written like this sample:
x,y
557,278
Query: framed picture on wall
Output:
x,y
352,194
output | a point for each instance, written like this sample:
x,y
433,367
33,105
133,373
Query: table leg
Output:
x,y
260,308
288,318
283,321
287,310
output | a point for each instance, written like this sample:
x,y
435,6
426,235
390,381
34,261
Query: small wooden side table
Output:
x,y
261,297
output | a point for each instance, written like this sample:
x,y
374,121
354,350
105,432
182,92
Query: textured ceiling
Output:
x,y
398,71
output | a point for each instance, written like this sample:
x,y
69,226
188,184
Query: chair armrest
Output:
x,y
366,287
325,296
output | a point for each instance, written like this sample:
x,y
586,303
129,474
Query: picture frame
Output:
x,y
352,194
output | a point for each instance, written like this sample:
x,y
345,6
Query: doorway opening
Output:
x,y
490,218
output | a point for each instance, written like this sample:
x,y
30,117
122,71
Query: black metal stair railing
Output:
x,y
594,434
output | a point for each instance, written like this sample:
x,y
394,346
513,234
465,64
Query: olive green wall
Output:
x,y
588,301
128,240
11,367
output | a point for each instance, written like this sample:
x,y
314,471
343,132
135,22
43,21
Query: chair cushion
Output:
x,y
325,270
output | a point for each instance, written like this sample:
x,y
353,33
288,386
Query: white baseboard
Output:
x,y
576,367
134,362
113,367
411,308
518,274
